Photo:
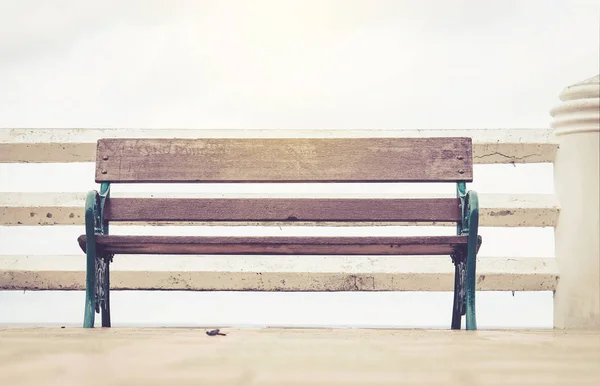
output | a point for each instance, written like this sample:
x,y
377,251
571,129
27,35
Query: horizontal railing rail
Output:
x,y
490,146
289,273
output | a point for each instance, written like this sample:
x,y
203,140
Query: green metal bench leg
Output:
x,y
97,278
106,304
105,287
90,275
473,243
90,289
458,258
458,307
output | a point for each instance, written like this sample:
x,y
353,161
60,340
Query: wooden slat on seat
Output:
x,y
423,245
270,209
285,160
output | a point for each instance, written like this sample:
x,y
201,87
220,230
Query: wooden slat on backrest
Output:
x,y
281,209
285,160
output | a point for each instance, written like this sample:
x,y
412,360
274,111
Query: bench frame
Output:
x,y
97,299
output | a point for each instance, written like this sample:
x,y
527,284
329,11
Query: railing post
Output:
x,y
576,127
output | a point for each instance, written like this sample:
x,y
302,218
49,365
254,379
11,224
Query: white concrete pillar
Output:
x,y
576,127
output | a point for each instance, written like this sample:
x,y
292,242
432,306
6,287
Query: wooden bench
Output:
x,y
329,160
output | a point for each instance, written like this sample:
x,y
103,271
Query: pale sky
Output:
x,y
288,64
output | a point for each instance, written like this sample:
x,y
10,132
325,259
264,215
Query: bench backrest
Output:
x,y
284,160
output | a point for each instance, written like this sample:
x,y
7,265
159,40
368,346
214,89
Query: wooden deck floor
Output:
x,y
72,356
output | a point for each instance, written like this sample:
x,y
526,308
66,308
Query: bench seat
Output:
x,y
278,245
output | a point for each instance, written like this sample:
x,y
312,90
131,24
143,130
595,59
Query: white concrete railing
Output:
x,y
235,273
576,258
